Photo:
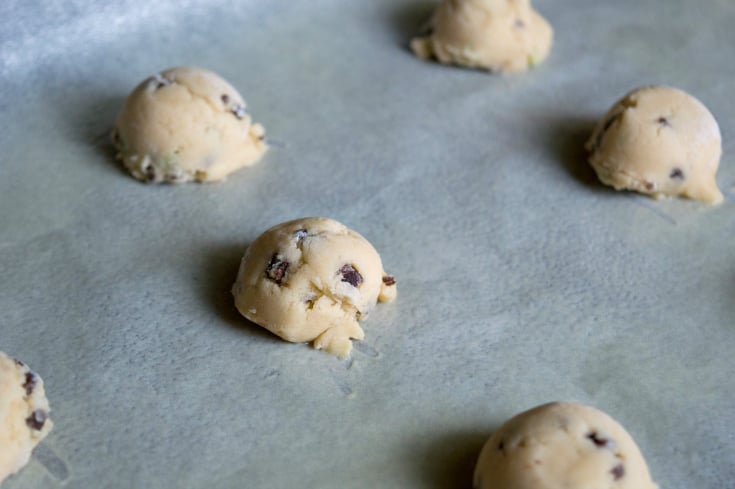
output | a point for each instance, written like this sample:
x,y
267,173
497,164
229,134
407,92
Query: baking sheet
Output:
x,y
521,280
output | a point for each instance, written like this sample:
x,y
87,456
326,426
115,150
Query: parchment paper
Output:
x,y
521,280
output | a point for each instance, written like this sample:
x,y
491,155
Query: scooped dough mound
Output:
x,y
186,124
561,446
658,141
311,280
496,35
24,411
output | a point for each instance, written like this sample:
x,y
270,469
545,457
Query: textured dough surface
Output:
x,y
311,279
23,414
497,35
186,124
561,446
658,141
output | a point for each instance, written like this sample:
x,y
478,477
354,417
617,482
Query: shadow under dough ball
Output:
x,y
24,411
310,280
561,445
186,124
495,35
658,141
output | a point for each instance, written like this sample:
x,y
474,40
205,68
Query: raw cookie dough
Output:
x,y
658,141
311,279
561,446
186,124
497,35
24,410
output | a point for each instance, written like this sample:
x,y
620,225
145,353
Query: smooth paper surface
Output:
x,y
521,279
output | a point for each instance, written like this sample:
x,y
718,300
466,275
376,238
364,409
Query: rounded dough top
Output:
x,y
497,35
23,414
659,141
186,124
311,280
561,446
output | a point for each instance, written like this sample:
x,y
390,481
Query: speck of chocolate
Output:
x,y
519,24
150,173
30,383
37,419
161,81
610,122
501,445
600,441
618,472
607,125
300,234
19,363
649,185
389,280
276,269
350,275
239,111
663,121
225,98
677,174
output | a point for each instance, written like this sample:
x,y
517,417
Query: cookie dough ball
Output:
x,y
658,141
496,35
561,446
311,280
24,410
186,124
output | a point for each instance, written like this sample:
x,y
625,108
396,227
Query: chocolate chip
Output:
x,y
607,125
225,98
19,363
663,121
600,441
149,173
676,173
350,275
649,185
300,234
618,471
276,269
389,280
37,419
519,23
239,111
30,383
161,81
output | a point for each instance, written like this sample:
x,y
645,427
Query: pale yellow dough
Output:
x,y
311,279
496,35
659,141
186,124
561,446
24,413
